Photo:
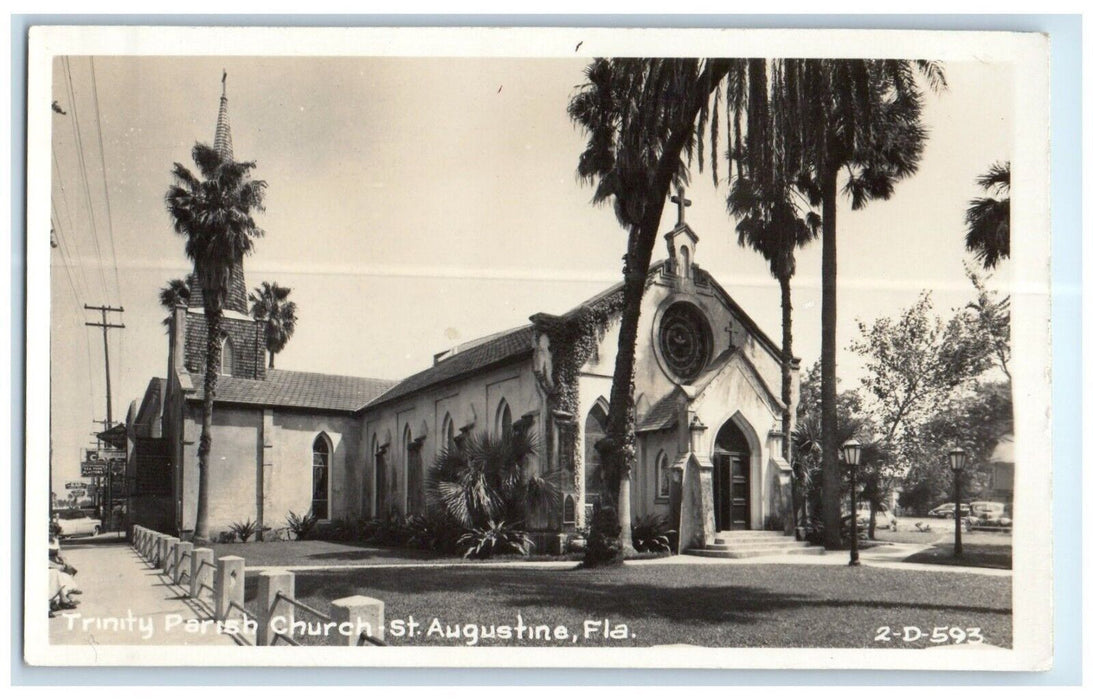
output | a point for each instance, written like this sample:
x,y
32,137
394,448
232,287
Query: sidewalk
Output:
x,y
125,601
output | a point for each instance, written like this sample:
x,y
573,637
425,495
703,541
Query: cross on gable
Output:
x,y
681,203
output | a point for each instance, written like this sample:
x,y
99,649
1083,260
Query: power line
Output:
x,y
74,240
78,136
105,188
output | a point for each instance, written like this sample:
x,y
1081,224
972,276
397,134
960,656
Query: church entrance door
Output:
x,y
731,479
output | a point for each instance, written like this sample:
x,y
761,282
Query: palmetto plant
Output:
x,y
269,303
213,210
988,219
176,292
486,478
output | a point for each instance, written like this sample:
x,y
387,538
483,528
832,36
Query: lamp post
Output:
x,y
957,459
851,456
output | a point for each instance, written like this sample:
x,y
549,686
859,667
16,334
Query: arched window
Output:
x,y
504,420
415,486
595,427
320,477
664,477
227,357
685,262
447,434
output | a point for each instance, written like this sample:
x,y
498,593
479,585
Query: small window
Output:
x,y
320,478
227,357
663,477
447,433
504,420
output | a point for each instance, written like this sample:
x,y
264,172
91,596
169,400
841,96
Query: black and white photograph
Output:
x,y
551,347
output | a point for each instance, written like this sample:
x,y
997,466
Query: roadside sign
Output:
x,y
92,468
117,465
73,485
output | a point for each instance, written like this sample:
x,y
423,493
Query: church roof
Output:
x,y
288,389
662,415
500,347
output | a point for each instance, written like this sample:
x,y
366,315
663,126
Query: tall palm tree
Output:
x,y
639,115
832,120
269,303
988,219
214,212
773,226
176,292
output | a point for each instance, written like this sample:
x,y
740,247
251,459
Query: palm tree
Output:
x,y
175,293
214,212
988,219
859,121
486,479
639,115
269,303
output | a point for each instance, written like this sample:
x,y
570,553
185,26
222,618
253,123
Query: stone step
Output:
x,y
737,553
750,536
745,546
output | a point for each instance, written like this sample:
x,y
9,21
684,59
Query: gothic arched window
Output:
x,y
447,433
227,357
663,477
504,420
320,477
595,427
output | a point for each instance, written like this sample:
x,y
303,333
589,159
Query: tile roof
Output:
x,y
662,415
289,389
470,358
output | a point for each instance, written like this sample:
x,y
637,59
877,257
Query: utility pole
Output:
x,y
106,326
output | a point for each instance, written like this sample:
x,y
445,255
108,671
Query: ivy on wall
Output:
x,y
574,339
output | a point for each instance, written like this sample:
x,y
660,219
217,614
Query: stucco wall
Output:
x,y
250,441
473,405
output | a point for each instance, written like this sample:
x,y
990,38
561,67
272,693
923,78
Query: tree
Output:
x,y
988,219
485,479
214,212
917,364
992,318
176,292
639,115
856,120
269,303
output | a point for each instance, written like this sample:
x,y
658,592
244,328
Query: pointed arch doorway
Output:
x,y
732,479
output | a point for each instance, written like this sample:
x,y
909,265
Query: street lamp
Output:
x,y
851,456
957,460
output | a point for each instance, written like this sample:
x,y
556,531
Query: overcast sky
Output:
x,y
417,203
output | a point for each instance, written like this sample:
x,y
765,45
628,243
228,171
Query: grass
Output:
x,y
320,552
717,606
990,556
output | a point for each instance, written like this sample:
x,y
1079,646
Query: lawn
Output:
x,y
707,605
319,552
987,555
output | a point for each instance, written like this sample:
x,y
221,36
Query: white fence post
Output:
x,y
357,614
201,570
228,587
184,553
272,613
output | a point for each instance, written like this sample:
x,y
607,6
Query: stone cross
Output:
x,y
681,203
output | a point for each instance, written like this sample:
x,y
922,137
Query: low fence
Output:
x,y
219,584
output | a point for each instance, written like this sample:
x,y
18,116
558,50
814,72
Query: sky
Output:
x,y
416,203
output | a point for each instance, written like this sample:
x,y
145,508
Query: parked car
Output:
x,y
988,510
945,510
73,523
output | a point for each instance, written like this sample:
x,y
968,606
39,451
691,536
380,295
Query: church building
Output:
x,y
709,433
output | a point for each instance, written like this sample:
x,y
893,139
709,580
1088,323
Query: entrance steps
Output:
x,y
744,544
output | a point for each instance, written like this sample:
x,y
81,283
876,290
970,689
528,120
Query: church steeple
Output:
x,y
222,142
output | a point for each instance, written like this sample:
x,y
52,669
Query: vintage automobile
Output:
x,y
945,510
74,523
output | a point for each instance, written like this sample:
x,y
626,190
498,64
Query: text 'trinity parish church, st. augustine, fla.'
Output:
x,y
709,431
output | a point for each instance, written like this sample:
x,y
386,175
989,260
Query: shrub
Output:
x,y
301,525
495,538
652,533
244,531
390,531
486,480
604,547
434,531
226,537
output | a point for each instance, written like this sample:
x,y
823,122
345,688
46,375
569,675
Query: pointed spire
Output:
x,y
222,142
